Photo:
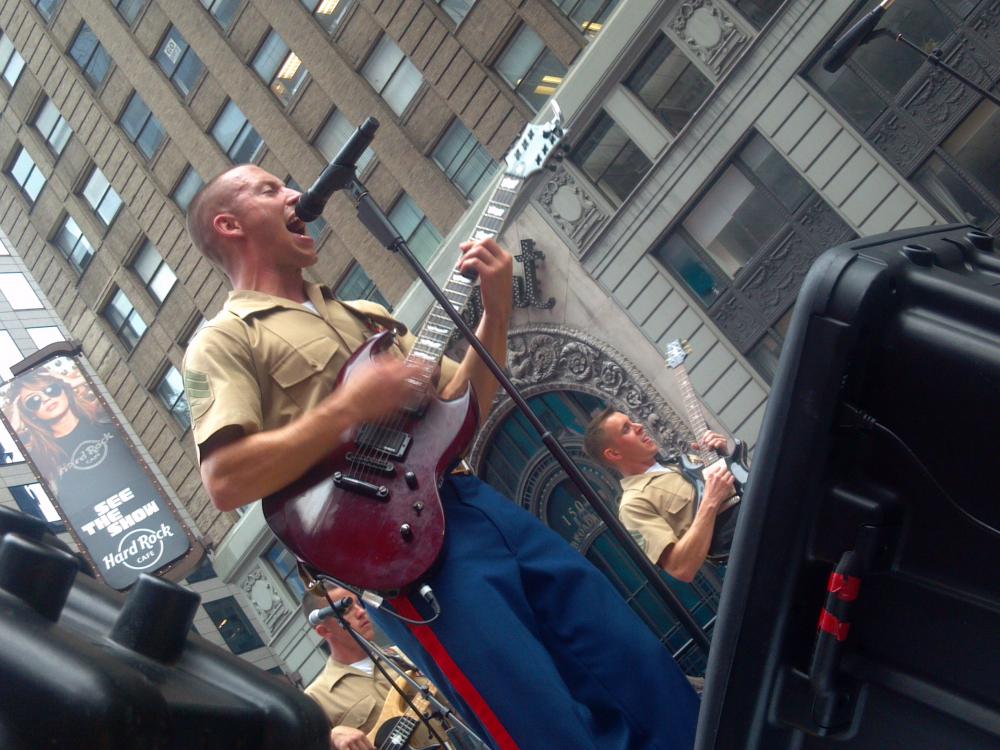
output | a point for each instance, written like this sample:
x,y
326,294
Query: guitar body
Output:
x,y
725,522
369,514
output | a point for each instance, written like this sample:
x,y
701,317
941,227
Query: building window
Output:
x,y
456,9
465,162
170,391
9,452
758,206
329,13
588,15
46,8
286,567
610,159
18,292
33,500
9,354
156,275
53,126
92,58
128,325
765,353
413,226
392,75
141,127
669,84
279,68
233,625
234,133
203,572
180,63
317,226
188,187
129,9
757,12
334,135
357,285
27,174
530,68
42,336
223,11
73,245
943,138
102,197
11,62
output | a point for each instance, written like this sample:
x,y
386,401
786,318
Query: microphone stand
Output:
x,y
380,657
372,216
934,58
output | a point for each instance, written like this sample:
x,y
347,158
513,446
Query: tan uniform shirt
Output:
x,y
658,508
264,360
348,696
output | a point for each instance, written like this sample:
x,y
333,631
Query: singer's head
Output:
x,y
244,221
342,646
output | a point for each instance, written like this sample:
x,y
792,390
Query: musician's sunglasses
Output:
x,y
34,402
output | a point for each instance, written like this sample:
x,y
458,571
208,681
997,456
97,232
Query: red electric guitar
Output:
x,y
369,514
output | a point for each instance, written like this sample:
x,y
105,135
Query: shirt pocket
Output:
x,y
362,715
304,361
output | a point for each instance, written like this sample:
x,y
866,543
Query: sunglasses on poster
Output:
x,y
34,402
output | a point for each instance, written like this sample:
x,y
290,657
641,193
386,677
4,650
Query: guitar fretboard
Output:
x,y
434,334
695,416
400,734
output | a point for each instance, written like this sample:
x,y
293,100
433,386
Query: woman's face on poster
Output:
x,y
45,403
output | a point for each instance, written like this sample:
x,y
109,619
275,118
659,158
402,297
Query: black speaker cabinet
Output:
x,y
861,607
82,666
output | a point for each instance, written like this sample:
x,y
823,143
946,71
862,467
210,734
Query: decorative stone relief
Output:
x,y
571,208
898,140
544,358
738,319
942,99
267,602
709,32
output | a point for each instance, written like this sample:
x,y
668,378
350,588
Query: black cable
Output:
x,y
868,422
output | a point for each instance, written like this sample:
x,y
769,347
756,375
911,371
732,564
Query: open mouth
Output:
x,y
295,225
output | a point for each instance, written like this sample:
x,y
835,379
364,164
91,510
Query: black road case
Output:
x,y
861,607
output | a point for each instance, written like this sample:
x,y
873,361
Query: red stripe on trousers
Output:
x,y
455,675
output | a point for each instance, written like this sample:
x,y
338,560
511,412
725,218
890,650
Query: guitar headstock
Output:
x,y
534,146
677,352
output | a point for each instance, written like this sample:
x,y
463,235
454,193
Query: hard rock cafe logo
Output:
x,y
90,453
140,549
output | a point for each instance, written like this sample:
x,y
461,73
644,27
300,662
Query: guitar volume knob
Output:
x,y
406,531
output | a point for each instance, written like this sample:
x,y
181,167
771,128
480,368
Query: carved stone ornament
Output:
x,y
899,141
544,358
709,32
267,602
571,208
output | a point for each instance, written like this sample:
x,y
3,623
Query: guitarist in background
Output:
x,y
658,503
533,646
350,690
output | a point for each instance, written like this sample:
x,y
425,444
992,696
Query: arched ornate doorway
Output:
x,y
566,377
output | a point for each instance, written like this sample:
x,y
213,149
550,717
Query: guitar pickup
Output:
x,y
371,463
392,443
376,491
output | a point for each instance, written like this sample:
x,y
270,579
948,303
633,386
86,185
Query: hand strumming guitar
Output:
x,y
349,738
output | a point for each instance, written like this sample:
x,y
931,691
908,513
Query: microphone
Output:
x,y
318,615
854,37
335,176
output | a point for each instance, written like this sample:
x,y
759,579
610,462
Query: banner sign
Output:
x,y
99,486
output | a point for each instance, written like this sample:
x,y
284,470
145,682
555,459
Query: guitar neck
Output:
x,y
695,416
434,334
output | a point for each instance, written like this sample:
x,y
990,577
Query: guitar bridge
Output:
x,y
361,487
371,463
392,443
